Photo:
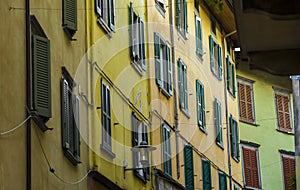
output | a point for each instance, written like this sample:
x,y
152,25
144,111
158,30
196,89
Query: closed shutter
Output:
x,y
170,89
199,49
98,7
185,16
189,167
288,165
251,168
65,114
41,76
206,176
180,83
142,45
234,138
283,112
222,181
76,126
220,64
70,14
246,104
211,52
112,14
131,33
157,56
178,13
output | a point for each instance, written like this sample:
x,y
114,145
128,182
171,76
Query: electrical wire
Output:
x,y
52,170
15,128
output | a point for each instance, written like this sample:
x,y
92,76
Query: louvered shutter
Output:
x,y
180,83
249,107
222,181
64,113
218,122
251,168
220,64
170,89
288,165
178,13
233,81
203,107
228,68
98,7
157,59
131,33
76,125
41,76
199,106
206,177
246,104
185,16
211,52
199,49
135,140
283,112
112,14
237,141
189,168
70,14
185,87
142,45
167,151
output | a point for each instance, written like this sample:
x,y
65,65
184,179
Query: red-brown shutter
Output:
x,y
283,113
288,170
251,168
245,98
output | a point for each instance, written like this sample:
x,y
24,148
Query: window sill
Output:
x,y
106,150
160,9
105,27
182,33
286,132
249,123
200,56
231,93
142,178
71,157
186,113
235,159
220,145
164,92
219,78
137,67
202,129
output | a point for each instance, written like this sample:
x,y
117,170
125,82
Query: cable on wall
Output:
x,y
15,128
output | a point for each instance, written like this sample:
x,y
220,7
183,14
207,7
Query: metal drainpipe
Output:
x,y
175,90
28,95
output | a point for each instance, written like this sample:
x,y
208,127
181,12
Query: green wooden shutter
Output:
x,y
112,14
198,26
228,69
170,89
199,106
98,7
206,175
237,142
178,13
131,33
157,59
185,16
70,14
189,167
76,112
142,45
185,87
203,108
233,80
211,50
41,76
222,181
167,151
232,135
216,108
220,66
64,113
180,83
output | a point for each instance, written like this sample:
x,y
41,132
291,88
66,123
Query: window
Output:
x,y
199,47
163,69
206,175
234,138
215,58
246,103
218,122
182,83
288,170
251,167
106,12
188,167
41,78
139,134
230,76
70,118
283,111
181,16
167,156
201,119
70,17
106,120
222,181
137,47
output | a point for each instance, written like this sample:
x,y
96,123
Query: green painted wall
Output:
x,y
265,134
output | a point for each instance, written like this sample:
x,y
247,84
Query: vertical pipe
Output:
x,y
28,95
175,89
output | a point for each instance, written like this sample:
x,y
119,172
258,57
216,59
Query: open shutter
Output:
x,y
232,136
76,125
237,141
199,106
249,103
185,88
228,73
206,175
220,65
180,83
218,122
98,7
41,76
178,13
131,33
203,108
185,16
222,181
170,89
64,113
112,14
198,35
211,52
233,80
189,167
142,45
157,59
70,14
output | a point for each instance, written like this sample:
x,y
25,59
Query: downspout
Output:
x,y
175,90
28,95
